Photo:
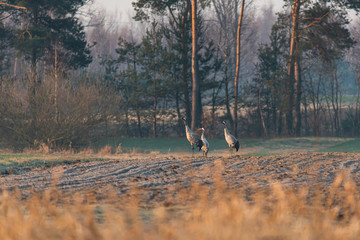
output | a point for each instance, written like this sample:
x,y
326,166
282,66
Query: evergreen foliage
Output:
x,y
47,25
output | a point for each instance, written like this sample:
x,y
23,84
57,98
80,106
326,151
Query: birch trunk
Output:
x,y
195,123
298,93
236,81
291,64
184,64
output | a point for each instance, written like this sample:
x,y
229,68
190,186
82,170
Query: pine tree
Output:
x,y
153,68
179,15
132,86
49,27
269,82
304,21
49,31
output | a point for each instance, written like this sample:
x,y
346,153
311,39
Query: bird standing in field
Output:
x,y
230,139
205,146
192,137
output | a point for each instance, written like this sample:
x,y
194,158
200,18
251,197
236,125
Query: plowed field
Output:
x,y
162,174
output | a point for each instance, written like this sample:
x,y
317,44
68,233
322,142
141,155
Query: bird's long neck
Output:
x,y
186,126
226,130
203,135
187,129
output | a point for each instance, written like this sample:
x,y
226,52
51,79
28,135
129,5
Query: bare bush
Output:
x,y
65,114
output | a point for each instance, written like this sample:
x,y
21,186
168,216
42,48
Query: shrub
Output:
x,y
65,116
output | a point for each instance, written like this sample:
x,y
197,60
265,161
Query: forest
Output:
x,y
71,73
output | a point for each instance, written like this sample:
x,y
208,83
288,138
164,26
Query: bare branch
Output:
x,y
303,37
317,20
172,15
14,6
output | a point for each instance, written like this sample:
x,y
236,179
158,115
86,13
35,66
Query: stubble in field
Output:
x,y
291,196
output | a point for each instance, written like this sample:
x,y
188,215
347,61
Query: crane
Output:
x,y
192,137
230,139
205,146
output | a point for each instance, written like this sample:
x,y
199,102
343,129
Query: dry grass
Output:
x,y
198,212
106,150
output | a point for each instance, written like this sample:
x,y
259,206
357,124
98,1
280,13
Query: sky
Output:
x,y
123,6
115,5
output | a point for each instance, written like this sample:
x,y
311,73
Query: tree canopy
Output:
x,y
46,25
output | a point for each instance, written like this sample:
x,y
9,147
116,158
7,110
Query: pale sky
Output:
x,y
125,5
115,5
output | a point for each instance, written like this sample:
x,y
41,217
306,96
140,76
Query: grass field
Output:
x,y
351,146
247,146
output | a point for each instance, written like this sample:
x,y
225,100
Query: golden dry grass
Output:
x,y
198,212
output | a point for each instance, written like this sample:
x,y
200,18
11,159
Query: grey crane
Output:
x,y
230,139
205,146
192,137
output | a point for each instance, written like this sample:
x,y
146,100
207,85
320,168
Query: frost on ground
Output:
x,y
159,176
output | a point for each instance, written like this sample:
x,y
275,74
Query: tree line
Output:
x,y
67,77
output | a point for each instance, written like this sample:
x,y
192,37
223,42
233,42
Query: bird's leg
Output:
x,y
192,149
230,151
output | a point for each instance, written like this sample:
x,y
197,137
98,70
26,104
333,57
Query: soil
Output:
x,y
165,173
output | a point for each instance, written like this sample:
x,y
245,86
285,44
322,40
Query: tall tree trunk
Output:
x,y
213,110
177,103
56,75
138,121
137,97
155,107
335,103
298,92
195,123
33,76
184,68
307,129
291,64
154,117
15,67
185,89
274,115
32,88
199,103
215,94
227,95
34,58
127,125
280,124
236,81
261,114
